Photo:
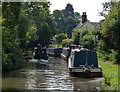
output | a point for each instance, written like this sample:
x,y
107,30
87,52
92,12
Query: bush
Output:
x,y
61,37
54,45
67,42
110,56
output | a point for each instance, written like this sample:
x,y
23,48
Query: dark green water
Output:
x,y
54,76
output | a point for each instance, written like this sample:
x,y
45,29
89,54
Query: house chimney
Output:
x,y
84,17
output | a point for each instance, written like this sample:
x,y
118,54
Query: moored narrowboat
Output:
x,y
65,53
83,63
40,53
67,50
54,52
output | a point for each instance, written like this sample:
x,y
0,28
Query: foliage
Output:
x,y
76,36
87,41
110,31
39,12
12,55
85,38
54,45
67,42
106,8
44,39
61,37
66,19
108,57
26,30
24,26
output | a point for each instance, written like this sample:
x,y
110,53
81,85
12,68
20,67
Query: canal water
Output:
x,y
51,76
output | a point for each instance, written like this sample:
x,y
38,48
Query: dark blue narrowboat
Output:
x,y
83,63
40,53
54,52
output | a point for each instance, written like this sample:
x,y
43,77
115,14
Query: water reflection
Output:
x,y
54,76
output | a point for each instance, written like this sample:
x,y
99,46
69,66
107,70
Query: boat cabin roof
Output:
x,y
84,57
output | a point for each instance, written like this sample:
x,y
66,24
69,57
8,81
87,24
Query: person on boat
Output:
x,y
39,47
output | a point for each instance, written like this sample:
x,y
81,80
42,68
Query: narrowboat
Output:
x,y
83,63
65,53
67,50
40,53
54,52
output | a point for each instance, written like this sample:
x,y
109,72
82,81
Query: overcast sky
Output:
x,y
92,7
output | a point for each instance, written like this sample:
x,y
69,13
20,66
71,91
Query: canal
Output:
x,y
54,76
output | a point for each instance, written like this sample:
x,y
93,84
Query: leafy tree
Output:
x,y
12,55
24,25
61,37
87,39
44,39
39,12
110,31
58,17
76,36
67,42
88,42
66,19
26,29
69,8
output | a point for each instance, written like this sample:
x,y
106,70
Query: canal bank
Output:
x,y
111,75
53,77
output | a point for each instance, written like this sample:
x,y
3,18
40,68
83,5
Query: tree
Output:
x,y
66,19
61,37
44,39
67,42
88,39
12,54
24,26
110,30
69,8
39,12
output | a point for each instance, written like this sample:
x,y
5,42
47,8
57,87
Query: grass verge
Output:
x,y
110,73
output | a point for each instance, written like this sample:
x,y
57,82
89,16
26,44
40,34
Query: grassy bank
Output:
x,y
110,73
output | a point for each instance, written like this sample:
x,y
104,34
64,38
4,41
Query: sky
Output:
x,y
91,7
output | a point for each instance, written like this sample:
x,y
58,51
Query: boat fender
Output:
x,y
100,68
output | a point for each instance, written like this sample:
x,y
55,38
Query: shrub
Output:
x,y
67,42
61,37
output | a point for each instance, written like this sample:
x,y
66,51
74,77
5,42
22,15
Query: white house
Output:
x,y
87,25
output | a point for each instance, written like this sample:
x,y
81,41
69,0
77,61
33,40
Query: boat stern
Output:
x,y
85,72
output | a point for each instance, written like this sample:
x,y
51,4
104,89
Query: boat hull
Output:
x,y
41,57
55,52
83,63
85,74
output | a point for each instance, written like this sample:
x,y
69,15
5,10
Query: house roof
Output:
x,y
95,24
